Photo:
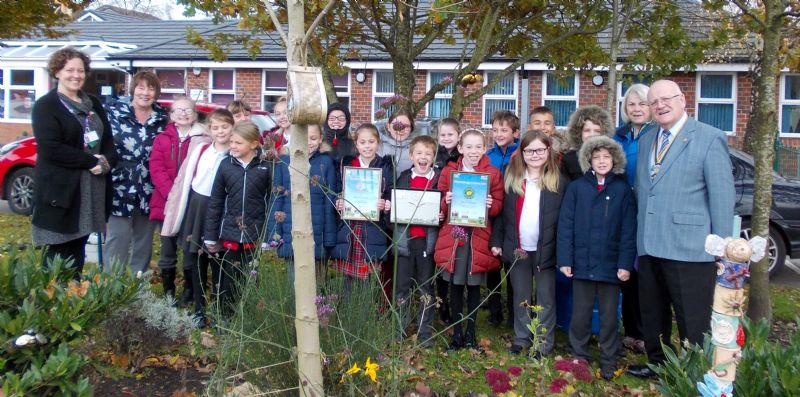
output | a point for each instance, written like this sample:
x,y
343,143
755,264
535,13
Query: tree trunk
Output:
x,y
309,360
613,51
764,151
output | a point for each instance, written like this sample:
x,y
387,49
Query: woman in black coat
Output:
x,y
75,151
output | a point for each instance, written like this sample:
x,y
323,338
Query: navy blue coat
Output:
x,y
375,233
323,181
631,147
596,229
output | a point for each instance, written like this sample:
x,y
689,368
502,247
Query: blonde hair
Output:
x,y
471,131
182,98
515,173
641,91
247,130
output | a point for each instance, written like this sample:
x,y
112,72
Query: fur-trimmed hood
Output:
x,y
602,142
590,112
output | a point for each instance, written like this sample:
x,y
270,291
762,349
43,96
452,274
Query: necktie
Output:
x,y
663,145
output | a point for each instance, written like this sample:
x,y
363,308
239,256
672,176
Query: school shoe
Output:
x,y
187,297
515,349
456,342
426,342
469,340
496,319
633,344
641,371
607,373
444,313
168,282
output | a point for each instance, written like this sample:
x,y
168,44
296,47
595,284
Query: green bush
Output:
x,y
767,369
257,344
46,302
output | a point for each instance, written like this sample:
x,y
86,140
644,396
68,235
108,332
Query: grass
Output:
x,y
785,301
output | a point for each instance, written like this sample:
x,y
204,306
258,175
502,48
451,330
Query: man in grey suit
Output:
x,y
684,189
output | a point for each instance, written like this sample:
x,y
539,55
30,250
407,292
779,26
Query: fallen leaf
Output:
x,y
485,344
120,360
423,389
207,340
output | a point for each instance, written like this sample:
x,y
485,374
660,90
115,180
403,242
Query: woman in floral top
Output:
x,y
134,126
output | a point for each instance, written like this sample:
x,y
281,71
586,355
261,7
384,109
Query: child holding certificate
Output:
x,y
361,245
463,252
597,246
323,180
237,208
524,236
415,243
449,129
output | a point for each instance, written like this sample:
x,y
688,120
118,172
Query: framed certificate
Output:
x,y
416,207
361,192
468,207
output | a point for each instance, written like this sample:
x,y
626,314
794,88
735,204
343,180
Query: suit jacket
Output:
x,y
691,197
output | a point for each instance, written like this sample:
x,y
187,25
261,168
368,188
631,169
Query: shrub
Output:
x,y
766,369
47,304
257,343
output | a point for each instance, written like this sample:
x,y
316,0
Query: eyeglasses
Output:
x,y
538,152
664,100
183,111
337,118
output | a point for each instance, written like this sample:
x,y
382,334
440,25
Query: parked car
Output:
x,y
18,158
784,218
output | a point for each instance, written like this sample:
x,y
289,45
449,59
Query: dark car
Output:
x,y
784,218
18,158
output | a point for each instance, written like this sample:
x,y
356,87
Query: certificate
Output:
x,y
361,192
468,207
416,207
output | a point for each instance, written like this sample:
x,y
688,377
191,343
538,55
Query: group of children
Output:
x,y
222,200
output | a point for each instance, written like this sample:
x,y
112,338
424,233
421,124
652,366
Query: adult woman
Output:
x,y
534,188
635,113
586,122
134,126
75,152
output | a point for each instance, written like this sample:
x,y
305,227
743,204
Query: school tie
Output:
x,y
664,144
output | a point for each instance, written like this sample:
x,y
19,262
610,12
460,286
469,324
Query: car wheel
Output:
x,y
776,248
20,191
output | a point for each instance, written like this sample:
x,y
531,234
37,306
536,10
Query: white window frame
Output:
x,y
345,94
732,101
179,91
575,97
264,91
6,87
783,102
212,91
375,94
514,96
438,95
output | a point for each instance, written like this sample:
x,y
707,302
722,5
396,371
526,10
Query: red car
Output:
x,y
18,158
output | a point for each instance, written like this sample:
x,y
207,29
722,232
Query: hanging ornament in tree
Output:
x,y
307,102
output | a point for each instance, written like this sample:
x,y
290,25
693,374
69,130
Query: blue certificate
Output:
x,y
362,190
468,206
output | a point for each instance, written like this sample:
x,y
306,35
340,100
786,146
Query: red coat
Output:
x,y
482,258
165,160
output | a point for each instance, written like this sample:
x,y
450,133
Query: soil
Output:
x,y
782,332
157,382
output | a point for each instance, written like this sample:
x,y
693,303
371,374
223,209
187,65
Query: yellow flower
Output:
x,y
371,370
354,369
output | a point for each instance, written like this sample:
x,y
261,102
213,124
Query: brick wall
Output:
x,y
10,132
248,86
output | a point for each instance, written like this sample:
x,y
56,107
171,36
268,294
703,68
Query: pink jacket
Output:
x,y
166,158
178,197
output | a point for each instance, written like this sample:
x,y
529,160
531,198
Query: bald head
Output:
x,y
667,103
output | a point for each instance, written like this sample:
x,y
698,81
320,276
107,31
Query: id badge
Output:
x,y
90,138
654,170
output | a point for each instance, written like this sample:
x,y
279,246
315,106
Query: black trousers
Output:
x,y
199,264
687,288
415,272
73,249
233,264
631,314
494,283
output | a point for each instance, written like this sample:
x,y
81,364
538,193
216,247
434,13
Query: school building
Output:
x,y
121,42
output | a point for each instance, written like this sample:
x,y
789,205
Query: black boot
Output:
x,y
457,340
168,282
469,336
187,297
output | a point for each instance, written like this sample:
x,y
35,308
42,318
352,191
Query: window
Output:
x,y
503,96
382,88
17,93
173,82
790,104
561,96
223,86
274,88
625,82
716,102
341,84
439,106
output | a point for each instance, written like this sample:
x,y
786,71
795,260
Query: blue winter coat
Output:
x,y
597,229
323,181
375,233
631,147
501,159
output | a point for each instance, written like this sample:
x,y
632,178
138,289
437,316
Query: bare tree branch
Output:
x,y
316,22
276,22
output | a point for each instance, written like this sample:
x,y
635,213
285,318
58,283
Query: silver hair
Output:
x,y
638,89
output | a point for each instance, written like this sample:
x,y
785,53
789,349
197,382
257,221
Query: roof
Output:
x,y
109,13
